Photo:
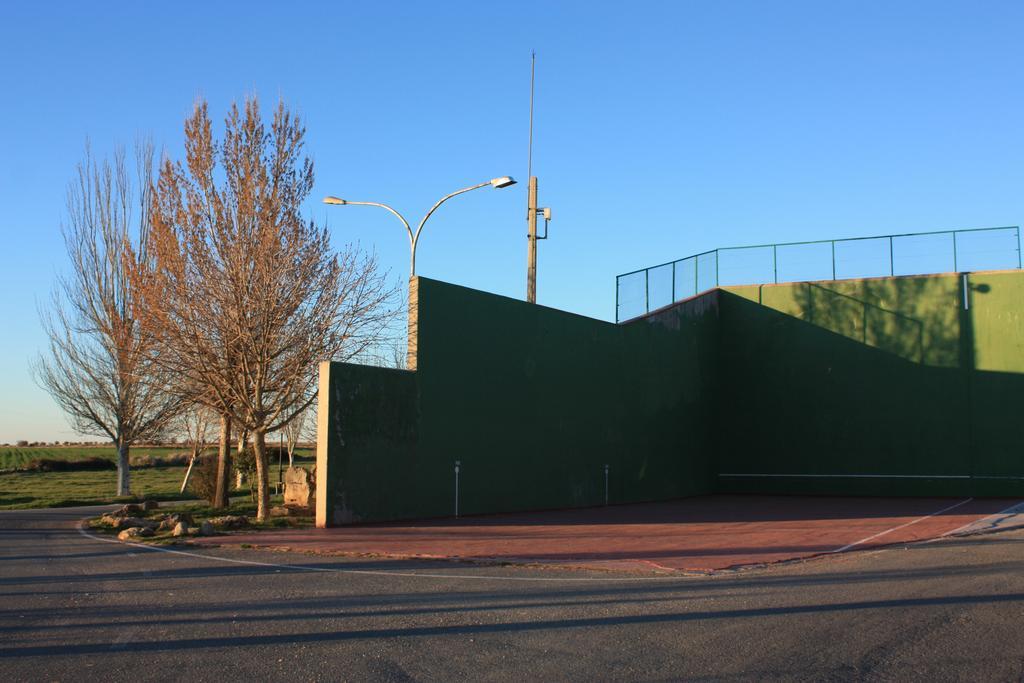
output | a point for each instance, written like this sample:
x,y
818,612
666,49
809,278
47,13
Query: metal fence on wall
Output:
x,y
922,253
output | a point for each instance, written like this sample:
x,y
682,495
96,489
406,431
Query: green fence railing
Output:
x,y
648,289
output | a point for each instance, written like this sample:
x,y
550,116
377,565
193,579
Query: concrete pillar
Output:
x,y
412,340
324,492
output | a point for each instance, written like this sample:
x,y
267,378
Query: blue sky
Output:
x,y
663,129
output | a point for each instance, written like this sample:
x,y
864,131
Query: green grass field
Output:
x,y
62,489
12,458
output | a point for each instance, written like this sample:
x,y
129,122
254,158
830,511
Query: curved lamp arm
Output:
x,y
408,229
442,200
414,237
385,206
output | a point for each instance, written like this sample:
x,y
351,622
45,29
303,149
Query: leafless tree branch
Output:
x,y
100,364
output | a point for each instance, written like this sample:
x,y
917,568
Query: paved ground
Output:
x,y
75,608
703,533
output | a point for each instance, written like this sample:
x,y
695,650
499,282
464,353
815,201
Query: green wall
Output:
x,y
533,402
887,386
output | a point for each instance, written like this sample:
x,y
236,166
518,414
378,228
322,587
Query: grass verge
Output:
x,y
62,489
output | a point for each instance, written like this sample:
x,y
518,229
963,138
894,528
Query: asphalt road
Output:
x,y
74,608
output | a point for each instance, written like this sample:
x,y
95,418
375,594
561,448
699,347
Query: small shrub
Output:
x,y
54,465
141,460
170,460
203,482
245,462
173,460
22,444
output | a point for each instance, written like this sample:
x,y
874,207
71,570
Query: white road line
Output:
x,y
901,526
371,572
1013,509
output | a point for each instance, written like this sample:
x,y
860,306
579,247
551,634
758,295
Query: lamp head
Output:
x,y
501,182
336,201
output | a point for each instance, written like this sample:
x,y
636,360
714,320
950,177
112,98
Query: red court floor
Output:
x,y
705,533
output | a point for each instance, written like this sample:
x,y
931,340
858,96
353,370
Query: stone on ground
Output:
x,y
134,532
110,520
171,521
230,521
299,488
129,522
127,510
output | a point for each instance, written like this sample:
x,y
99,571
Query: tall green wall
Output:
x,y
894,386
533,402
887,386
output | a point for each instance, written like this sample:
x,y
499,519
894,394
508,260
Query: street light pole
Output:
x,y
414,237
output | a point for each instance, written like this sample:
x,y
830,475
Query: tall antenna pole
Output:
x,y
529,155
531,204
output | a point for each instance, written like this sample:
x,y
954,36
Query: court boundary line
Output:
x,y
851,476
1013,509
901,526
679,576
798,475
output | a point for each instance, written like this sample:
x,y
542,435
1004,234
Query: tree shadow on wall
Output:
x,y
920,319
872,377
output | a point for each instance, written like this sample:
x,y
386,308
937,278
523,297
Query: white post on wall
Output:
x,y
457,463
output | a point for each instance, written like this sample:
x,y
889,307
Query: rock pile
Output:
x,y
131,523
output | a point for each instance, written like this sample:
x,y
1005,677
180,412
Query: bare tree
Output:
x,y
293,433
99,366
246,296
